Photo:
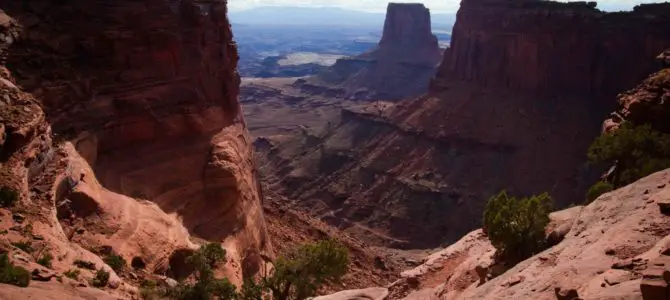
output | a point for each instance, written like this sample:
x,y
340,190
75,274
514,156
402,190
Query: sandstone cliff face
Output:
x,y
551,49
400,66
150,145
511,108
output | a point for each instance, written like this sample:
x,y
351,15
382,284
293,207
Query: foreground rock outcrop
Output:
x,y
123,135
400,66
615,248
512,107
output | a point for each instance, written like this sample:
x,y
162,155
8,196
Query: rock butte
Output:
x,y
400,66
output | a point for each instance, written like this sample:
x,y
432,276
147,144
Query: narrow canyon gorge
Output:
x,y
508,109
126,131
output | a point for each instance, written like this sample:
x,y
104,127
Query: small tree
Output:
x,y
116,262
637,152
46,259
72,274
300,274
598,189
516,227
206,286
101,278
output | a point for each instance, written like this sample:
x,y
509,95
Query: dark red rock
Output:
x,y
553,48
515,105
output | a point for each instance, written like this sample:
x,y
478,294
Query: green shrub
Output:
x,y
101,278
207,256
251,290
300,274
26,246
8,197
149,290
84,264
296,276
637,151
72,274
598,189
11,274
45,260
516,226
116,262
222,289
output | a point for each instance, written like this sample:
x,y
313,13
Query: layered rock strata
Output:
x,y
150,154
519,97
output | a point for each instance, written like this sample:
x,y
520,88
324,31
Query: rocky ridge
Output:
x,y
124,136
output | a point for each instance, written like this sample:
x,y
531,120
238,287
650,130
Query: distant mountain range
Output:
x,y
334,16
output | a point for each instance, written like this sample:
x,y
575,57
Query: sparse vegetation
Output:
x,y
84,264
598,189
101,278
206,286
516,226
8,197
296,276
72,274
300,274
11,274
149,290
46,259
116,262
26,246
637,152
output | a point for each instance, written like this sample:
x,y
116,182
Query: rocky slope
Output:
x,y
400,66
417,173
122,133
617,247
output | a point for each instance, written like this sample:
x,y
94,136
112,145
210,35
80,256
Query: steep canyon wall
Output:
x,y
145,92
516,102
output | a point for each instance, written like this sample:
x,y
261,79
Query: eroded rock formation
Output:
x,y
517,101
550,48
615,248
149,146
400,66
645,104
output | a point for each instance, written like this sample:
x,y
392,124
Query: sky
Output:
x,y
436,6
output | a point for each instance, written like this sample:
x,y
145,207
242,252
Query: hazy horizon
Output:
x,y
379,6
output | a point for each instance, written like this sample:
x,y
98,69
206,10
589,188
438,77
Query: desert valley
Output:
x,y
177,149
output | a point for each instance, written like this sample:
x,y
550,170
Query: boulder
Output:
x,y
655,279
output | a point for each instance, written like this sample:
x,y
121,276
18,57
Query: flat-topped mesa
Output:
x,y
554,48
407,33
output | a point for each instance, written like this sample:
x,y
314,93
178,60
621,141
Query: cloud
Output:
x,y
380,5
